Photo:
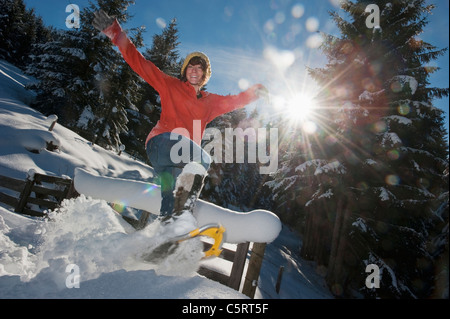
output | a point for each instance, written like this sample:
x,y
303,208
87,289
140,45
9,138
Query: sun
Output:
x,y
300,107
299,110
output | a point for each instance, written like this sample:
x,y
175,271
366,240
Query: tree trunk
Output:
x,y
306,246
336,275
335,238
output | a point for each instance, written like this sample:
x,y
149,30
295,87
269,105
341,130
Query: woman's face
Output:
x,y
194,74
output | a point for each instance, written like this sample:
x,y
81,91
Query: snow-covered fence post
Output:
x,y
25,192
121,149
238,265
52,119
237,258
254,267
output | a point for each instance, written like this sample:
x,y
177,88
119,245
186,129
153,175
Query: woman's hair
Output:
x,y
196,60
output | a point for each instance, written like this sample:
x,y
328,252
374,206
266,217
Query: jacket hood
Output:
x,y
204,57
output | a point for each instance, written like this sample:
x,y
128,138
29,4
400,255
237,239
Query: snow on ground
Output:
x,y
40,259
24,137
36,259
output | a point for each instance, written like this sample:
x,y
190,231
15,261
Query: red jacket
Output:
x,y
180,106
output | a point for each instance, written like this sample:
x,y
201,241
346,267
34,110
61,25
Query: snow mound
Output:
x,y
98,240
14,259
89,236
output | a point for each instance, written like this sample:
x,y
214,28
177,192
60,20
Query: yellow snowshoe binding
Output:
x,y
213,231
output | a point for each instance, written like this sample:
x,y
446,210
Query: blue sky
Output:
x,y
253,41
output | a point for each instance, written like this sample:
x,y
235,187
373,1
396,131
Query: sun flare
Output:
x,y
299,110
300,107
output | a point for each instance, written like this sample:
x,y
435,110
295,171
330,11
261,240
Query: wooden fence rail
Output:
x,y
237,257
36,194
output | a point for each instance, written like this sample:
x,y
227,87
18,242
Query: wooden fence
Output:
x,y
35,194
42,192
238,259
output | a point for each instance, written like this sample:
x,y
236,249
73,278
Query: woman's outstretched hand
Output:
x,y
260,91
102,20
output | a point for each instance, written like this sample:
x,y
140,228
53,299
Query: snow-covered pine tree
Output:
x,y
244,173
20,28
112,87
438,243
59,65
258,194
291,185
84,81
164,50
377,183
221,186
230,174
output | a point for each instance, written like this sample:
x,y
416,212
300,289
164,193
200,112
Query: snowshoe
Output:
x,y
169,247
161,252
181,224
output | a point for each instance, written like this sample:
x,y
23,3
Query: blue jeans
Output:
x,y
168,155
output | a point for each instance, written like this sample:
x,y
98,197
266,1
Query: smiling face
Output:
x,y
195,72
195,75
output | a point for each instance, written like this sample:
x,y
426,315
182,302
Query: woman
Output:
x,y
185,112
